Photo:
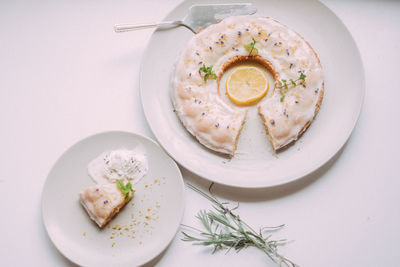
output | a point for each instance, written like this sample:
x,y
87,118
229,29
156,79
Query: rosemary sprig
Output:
x,y
225,229
208,72
284,85
251,47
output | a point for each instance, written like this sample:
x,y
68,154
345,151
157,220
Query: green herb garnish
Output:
x,y
125,189
225,229
208,72
284,84
251,47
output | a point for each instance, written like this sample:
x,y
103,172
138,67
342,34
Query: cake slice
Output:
x,y
103,202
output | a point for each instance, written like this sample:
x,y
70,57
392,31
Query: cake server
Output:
x,y
198,17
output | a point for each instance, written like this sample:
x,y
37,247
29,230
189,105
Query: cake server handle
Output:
x,y
132,27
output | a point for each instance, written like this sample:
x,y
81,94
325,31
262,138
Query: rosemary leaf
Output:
x,y
208,72
284,87
251,47
125,189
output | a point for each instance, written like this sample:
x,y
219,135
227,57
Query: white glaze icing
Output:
x,y
217,124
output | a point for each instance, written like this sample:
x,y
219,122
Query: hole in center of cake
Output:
x,y
245,81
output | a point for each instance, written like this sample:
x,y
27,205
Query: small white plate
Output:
x,y
255,164
160,194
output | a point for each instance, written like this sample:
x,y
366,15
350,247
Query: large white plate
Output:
x,y
255,164
79,239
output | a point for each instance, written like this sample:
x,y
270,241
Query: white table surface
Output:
x,y
64,75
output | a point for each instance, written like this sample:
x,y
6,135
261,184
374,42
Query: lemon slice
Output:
x,y
246,85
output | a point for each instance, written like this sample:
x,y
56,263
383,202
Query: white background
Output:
x,y
64,75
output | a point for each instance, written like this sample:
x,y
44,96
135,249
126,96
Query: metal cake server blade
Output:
x,y
198,17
